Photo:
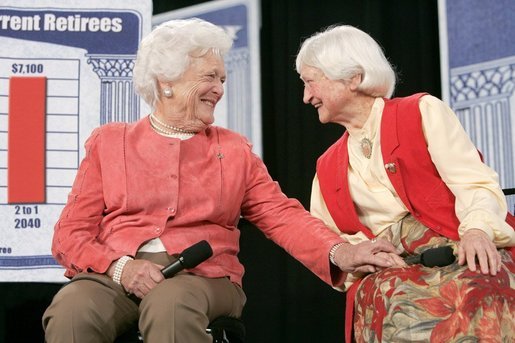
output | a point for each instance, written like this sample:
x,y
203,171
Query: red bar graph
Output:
x,y
26,140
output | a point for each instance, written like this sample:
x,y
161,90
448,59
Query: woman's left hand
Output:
x,y
476,246
365,256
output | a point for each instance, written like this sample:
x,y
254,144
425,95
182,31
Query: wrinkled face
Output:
x,y
327,96
200,88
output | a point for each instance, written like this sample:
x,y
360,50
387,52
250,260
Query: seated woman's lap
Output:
x,y
441,304
92,308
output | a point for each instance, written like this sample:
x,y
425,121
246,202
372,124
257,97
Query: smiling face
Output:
x,y
199,89
329,97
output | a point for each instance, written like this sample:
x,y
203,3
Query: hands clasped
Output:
x,y
140,276
368,256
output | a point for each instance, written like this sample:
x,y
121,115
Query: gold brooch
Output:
x,y
366,147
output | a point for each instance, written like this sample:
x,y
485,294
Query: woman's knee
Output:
x,y
88,306
175,296
68,305
187,295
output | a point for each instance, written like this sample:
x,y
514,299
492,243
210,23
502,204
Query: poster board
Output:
x,y
65,68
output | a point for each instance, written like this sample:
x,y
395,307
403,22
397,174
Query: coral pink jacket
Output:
x,y
135,185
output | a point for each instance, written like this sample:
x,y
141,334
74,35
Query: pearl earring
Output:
x,y
167,92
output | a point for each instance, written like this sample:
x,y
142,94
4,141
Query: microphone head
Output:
x,y
196,254
438,257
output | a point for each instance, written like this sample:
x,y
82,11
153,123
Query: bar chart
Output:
x,y
60,78
39,129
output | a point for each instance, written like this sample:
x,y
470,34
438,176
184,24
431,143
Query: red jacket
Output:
x,y
408,166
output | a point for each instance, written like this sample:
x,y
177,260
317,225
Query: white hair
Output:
x,y
165,53
342,52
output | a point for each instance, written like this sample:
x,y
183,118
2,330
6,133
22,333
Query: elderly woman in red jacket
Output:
x,y
147,190
406,171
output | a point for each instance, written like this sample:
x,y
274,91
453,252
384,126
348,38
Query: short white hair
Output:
x,y
166,53
342,52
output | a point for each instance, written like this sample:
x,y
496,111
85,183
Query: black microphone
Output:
x,y
433,257
189,258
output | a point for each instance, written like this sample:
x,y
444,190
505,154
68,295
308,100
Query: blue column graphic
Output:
x,y
118,102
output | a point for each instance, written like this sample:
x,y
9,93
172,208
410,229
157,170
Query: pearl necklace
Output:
x,y
172,134
173,128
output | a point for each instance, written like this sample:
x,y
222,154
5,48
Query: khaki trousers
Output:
x,y
93,308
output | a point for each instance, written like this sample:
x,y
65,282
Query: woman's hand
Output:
x,y
139,276
368,256
394,258
476,246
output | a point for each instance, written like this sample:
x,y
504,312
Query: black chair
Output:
x,y
227,330
223,329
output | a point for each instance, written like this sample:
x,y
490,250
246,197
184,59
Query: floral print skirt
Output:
x,y
439,304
